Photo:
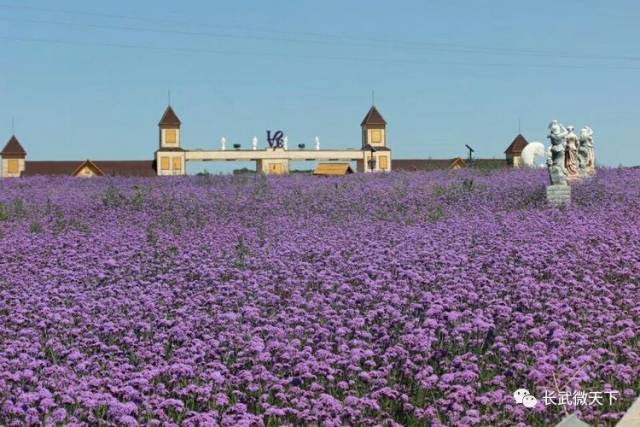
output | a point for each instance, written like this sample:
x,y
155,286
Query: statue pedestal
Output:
x,y
559,195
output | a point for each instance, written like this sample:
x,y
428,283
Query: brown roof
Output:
x,y
127,167
169,118
332,169
107,167
375,148
373,117
32,168
89,164
13,148
170,149
426,164
457,163
517,145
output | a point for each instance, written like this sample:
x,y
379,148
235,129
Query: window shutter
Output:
x,y
12,166
164,163
383,162
376,136
170,136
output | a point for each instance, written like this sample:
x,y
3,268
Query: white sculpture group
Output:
x,y
569,157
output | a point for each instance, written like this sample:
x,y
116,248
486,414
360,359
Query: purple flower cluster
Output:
x,y
391,299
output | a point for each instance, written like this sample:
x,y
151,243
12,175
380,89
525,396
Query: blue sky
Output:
x,y
90,79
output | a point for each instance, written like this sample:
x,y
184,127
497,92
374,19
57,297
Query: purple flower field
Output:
x,y
400,299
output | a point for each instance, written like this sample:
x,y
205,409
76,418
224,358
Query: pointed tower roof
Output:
x,y
373,117
169,118
517,145
13,148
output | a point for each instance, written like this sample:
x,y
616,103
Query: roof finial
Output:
x,y
13,126
169,97
373,97
519,131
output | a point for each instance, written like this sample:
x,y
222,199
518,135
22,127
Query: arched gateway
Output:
x,y
372,156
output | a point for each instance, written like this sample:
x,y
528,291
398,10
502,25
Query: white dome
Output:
x,y
533,155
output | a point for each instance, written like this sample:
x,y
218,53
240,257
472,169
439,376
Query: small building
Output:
x,y
170,156
514,151
13,158
377,154
332,169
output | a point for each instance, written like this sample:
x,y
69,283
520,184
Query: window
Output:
x,y
170,136
177,164
383,162
12,166
376,136
164,163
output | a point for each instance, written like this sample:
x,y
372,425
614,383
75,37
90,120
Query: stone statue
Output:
x,y
586,155
254,143
571,153
569,158
317,144
556,161
583,154
223,143
286,143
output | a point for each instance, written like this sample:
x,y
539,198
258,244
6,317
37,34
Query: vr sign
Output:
x,y
277,140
